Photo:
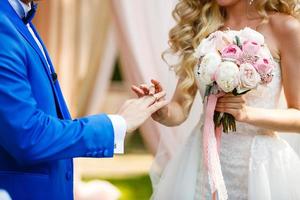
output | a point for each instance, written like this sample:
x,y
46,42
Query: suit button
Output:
x,y
68,175
106,153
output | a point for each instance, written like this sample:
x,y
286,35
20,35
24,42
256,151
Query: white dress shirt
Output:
x,y
118,122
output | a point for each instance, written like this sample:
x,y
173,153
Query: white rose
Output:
x,y
249,78
208,67
212,44
205,47
227,76
248,34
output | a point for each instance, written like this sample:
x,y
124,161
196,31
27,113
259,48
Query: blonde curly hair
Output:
x,y
196,19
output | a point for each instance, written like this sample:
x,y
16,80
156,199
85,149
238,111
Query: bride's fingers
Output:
x,y
230,95
237,99
157,85
229,105
139,92
230,100
145,89
155,82
226,110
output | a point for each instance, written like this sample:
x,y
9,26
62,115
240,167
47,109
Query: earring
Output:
x,y
251,2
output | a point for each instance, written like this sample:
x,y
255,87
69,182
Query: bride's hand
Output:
x,y
154,88
234,105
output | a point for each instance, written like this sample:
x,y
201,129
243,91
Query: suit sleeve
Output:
x,y
32,136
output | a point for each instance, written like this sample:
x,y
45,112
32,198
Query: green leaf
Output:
x,y
238,41
235,92
208,90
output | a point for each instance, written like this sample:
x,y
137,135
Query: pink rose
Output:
x,y
249,78
221,40
251,48
264,66
232,52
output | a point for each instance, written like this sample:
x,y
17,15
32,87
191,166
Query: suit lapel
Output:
x,y
60,99
22,28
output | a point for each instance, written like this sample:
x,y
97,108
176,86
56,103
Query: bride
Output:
x,y
256,163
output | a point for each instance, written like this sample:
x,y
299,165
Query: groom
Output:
x,y
38,138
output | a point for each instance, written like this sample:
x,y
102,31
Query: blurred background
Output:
x,y
99,48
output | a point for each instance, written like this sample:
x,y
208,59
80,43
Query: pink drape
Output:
x,y
142,32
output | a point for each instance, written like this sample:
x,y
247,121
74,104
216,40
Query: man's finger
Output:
x,y
149,100
158,105
160,95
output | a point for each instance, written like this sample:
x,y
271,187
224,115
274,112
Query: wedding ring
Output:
x,y
152,90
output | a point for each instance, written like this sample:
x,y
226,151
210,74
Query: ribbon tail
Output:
x,y
218,137
211,149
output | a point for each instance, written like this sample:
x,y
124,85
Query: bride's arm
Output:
x,y
278,120
175,113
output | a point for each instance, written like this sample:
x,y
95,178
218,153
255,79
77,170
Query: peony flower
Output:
x,y
227,76
231,51
214,43
208,67
252,35
221,40
250,48
264,66
206,46
249,78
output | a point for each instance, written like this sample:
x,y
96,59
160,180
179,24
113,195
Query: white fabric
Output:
x,y
26,7
119,126
254,166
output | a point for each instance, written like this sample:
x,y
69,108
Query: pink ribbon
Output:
x,y
211,149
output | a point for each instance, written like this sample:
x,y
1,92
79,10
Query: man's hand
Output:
x,y
137,111
155,88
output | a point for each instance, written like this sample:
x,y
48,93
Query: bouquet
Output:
x,y
228,62
233,62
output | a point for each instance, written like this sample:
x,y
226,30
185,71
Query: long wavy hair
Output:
x,y
196,19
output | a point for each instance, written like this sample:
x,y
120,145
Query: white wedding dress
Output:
x,y
254,166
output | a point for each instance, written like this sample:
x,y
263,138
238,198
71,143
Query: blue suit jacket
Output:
x,y
38,138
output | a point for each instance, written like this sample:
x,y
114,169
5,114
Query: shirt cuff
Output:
x,y
120,127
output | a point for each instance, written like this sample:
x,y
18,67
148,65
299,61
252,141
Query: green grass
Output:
x,y
132,188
